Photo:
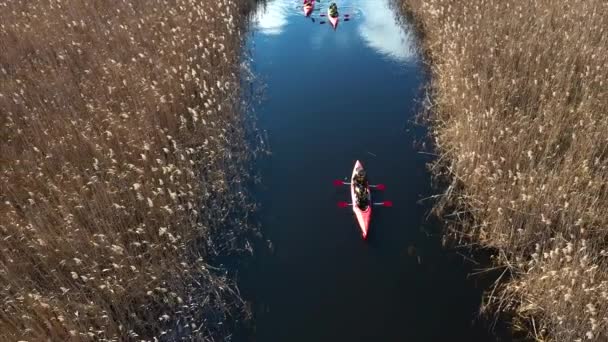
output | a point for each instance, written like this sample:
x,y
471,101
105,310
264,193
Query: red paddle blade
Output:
x,y
342,204
381,187
387,203
338,182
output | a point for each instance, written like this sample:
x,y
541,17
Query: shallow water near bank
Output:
x,y
332,97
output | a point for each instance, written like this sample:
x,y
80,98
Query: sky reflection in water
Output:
x,y
376,24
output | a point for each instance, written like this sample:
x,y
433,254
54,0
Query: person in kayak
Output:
x,y
307,3
333,10
361,188
363,200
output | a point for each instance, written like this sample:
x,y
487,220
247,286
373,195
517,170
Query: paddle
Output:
x,y
338,182
344,15
323,21
382,204
380,187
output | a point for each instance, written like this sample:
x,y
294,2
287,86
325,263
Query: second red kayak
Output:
x,y
308,7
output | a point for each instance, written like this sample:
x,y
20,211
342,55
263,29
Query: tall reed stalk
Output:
x,y
519,118
123,153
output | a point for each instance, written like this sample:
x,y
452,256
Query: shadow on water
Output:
x,y
330,98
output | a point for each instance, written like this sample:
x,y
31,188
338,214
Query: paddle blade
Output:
x,y
381,187
338,182
343,204
387,204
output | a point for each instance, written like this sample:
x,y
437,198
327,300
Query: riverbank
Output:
x,y
518,117
123,155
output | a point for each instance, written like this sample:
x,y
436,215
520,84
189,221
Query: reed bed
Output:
x,y
123,161
519,118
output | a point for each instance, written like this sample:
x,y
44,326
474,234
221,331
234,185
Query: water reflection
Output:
x,y
382,32
375,23
272,19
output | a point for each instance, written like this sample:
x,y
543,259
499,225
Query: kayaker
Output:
x,y
333,10
360,178
307,3
363,202
361,185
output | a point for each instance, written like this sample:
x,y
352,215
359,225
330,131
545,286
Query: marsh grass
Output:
x,y
519,118
123,151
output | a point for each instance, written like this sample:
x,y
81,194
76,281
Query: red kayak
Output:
x,y
308,7
332,20
363,215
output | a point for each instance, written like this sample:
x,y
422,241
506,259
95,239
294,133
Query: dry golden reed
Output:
x,y
520,119
122,155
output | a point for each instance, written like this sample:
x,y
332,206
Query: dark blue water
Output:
x,y
332,97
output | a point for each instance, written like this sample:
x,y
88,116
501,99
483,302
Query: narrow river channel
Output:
x,y
332,97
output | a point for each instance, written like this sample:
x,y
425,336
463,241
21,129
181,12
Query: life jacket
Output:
x,y
362,181
362,202
333,10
